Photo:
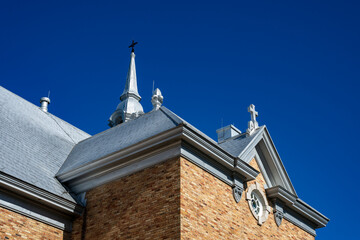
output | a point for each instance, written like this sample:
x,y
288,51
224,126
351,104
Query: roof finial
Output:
x,y
253,124
133,45
157,99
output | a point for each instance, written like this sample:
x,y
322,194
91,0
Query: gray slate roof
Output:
x,y
34,144
236,145
135,131
120,137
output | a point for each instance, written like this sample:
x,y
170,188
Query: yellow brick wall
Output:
x,y
175,200
17,226
209,211
144,205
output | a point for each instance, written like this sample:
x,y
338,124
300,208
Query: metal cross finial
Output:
x,y
133,45
253,124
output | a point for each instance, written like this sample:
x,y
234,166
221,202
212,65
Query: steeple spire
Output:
x,y
129,108
131,81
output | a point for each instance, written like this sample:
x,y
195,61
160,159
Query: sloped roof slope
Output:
x,y
120,137
34,144
236,145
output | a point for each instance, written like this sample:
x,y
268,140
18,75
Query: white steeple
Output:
x,y
131,81
129,108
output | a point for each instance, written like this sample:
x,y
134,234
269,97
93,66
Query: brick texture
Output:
x,y
17,226
175,200
208,211
144,205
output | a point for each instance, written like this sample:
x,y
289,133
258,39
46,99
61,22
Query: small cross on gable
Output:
x,y
253,124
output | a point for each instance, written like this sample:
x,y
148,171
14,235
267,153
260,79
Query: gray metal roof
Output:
x,y
34,144
120,137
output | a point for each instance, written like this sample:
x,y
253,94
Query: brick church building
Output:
x,y
149,176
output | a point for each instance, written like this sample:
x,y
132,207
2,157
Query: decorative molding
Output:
x,y
278,212
123,168
184,140
44,197
238,186
32,209
278,162
114,158
207,146
278,217
297,211
204,162
262,141
179,141
245,170
300,221
237,193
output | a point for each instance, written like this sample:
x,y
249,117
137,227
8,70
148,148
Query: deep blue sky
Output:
x,y
298,62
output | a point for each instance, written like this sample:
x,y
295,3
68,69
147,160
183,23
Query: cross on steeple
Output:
x,y
133,45
253,124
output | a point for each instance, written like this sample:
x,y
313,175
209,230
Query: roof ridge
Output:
x,y
172,116
50,115
117,126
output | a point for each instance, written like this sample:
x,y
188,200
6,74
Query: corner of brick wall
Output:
x,y
143,205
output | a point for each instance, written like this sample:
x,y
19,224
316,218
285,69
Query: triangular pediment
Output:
x,y
259,146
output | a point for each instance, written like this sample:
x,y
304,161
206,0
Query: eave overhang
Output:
x,y
41,205
44,197
296,204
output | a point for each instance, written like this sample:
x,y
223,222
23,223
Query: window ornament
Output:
x,y
257,202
